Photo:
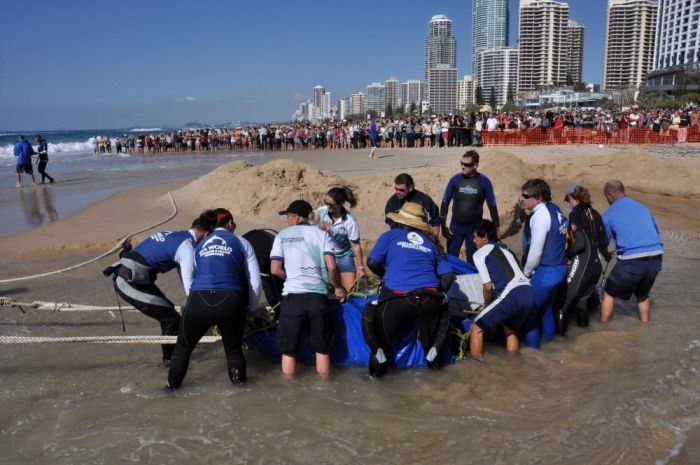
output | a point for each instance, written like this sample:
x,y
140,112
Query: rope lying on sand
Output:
x,y
109,252
100,339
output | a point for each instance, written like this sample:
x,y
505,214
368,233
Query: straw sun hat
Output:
x,y
411,214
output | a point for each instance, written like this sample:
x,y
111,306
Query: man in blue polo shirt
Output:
x,y
639,251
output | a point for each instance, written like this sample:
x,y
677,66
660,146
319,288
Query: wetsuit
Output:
x,y
414,275
43,161
468,194
225,285
136,272
432,212
545,265
585,267
513,300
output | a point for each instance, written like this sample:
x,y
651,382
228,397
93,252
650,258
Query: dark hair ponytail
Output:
x,y
341,195
222,217
205,221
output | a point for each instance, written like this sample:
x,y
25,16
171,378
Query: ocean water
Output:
x,y
623,394
83,178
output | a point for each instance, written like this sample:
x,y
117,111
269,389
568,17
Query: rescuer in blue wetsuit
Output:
x,y
136,271
415,276
543,254
226,284
467,191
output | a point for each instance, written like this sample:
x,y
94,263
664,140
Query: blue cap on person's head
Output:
x,y
570,189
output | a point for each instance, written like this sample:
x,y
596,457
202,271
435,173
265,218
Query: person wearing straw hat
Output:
x,y
415,274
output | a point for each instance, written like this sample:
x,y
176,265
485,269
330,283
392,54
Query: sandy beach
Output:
x,y
664,178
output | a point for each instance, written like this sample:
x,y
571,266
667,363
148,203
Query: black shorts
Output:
x,y
308,311
634,276
24,168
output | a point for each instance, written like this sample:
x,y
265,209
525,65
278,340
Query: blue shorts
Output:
x,y
635,276
24,168
345,264
512,309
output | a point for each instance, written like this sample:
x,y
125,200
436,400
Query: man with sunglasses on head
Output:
x,y
467,191
405,191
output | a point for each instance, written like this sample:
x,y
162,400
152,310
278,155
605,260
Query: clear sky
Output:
x,y
73,64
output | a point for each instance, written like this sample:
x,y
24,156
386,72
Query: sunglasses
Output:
x,y
329,205
468,165
526,196
400,189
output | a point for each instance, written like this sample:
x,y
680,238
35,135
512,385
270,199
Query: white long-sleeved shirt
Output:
x,y
540,222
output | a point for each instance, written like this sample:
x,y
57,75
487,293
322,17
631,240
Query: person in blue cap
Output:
x,y
544,239
639,251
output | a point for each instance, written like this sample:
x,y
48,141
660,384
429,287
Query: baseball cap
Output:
x,y
570,189
298,207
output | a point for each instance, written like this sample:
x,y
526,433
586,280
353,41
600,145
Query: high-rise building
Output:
x,y
344,108
322,101
499,71
443,88
376,98
543,44
574,72
465,91
440,49
490,26
411,93
392,93
677,33
629,43
358,104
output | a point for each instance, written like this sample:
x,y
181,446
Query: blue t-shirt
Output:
x,y
220,263
159,249
23,151
410,259
634,229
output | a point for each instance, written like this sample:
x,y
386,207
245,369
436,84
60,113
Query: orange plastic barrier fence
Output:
x,y
568,135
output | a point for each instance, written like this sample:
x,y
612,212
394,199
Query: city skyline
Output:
x,y
104,65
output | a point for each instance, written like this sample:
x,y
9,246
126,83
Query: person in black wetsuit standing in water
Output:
x,y
467,190
587,238
43,159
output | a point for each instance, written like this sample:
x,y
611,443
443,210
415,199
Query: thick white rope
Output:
x,y
109,252
100,339
64,306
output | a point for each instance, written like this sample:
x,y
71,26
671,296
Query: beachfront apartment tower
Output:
x,y
392,93
440,49
358,104
629,43
411,93
465,92
543,44
376,98
499,71
344,108
490,26
322,101
443,89
576,34
677,34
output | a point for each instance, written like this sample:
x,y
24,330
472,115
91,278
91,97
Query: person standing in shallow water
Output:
x,y
639,251
23,152
43,159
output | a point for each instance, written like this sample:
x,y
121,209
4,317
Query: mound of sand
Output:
x,y
256,193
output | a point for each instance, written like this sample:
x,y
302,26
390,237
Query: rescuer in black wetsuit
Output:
x,y
587,238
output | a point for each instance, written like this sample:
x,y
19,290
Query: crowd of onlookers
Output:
x,y
416,131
